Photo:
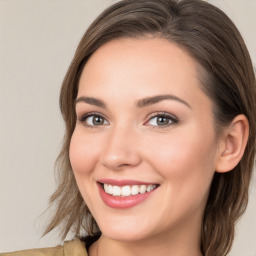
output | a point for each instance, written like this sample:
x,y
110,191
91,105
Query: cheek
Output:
x,y
83,158
184,159
83,153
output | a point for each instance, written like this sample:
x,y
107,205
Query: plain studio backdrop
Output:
x,y
37,42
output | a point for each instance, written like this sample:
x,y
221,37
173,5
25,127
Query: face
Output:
x,y
144,148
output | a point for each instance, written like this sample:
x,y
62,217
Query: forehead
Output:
x,y
146,54
140,68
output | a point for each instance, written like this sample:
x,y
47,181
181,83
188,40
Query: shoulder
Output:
x,y
74,248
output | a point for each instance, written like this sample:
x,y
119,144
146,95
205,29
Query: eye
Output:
x,y
162,120
92,120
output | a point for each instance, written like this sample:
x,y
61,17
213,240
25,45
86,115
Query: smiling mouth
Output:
x,y
127,190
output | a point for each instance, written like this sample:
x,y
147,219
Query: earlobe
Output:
x,y
233,144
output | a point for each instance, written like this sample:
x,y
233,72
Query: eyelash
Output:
x,y
172,120
91,114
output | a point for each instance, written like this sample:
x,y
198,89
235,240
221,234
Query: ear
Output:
x,y
232,144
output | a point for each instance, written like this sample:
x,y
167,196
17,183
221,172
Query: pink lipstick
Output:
x,y
124,193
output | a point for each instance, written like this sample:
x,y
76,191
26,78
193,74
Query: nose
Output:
x,y
121,150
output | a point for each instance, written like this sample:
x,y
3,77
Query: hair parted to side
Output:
x,y
226,75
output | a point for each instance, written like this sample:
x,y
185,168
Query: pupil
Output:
x,y
97,120
162,120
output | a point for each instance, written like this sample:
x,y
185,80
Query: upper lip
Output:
x,y
123,182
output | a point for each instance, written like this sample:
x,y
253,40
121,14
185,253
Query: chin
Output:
x,y
121,235
125,231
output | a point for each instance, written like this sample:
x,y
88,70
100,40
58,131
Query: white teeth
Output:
x,y
106,188
149,188
143,189
135,190
127,190
110,189
116,191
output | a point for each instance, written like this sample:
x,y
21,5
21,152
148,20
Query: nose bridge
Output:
x,y
121,150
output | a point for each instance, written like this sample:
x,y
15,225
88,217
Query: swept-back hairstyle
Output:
x,y
226,76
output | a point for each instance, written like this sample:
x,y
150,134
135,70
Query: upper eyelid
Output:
x,y
93,113
175,120
83,117
162,113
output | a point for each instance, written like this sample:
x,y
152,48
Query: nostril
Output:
x,y
120,161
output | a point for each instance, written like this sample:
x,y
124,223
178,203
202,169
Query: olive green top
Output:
x,y
70,248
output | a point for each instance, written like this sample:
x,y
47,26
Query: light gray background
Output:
x,y
37,41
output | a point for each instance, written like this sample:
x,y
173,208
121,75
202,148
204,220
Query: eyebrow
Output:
x,y
140,103
91,101
155,99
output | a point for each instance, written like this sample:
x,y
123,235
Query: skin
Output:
x,y
181,156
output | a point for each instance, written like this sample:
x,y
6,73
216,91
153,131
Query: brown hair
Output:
x,y
226,75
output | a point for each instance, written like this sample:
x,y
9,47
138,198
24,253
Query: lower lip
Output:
x,y
123,202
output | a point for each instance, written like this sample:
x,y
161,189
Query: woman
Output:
x,y
159,106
